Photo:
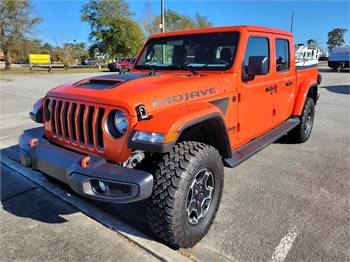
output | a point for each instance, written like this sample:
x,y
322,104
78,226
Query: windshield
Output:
x,y
209,51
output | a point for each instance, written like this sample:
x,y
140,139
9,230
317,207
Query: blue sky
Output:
x,y
313,19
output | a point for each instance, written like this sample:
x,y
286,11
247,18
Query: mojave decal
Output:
x,y
183,97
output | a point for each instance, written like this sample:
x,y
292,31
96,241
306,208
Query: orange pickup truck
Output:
x,y
196,101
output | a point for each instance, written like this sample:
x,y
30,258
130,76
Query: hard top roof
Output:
x,y
225,29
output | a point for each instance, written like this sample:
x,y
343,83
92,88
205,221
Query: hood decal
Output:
x,y
178,98
108,81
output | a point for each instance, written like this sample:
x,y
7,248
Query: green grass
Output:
x,y
39,70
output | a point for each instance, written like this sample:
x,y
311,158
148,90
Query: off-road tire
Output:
x,y
122,70
175,172
300,133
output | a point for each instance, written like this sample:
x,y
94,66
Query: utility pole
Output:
x,y
162,16
163,29
292,22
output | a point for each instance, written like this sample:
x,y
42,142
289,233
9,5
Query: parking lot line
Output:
x,y
284,246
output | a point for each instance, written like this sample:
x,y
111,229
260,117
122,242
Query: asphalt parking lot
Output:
x,y
288,202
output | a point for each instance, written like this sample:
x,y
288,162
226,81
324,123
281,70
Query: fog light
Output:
x,y
111,189
102,186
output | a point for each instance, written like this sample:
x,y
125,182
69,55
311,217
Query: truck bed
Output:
x,y
306,73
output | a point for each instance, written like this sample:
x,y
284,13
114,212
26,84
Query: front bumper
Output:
x,y
129,185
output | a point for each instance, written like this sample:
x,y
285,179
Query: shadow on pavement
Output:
x,y
133,214
329,70
339,89
23,198
324,70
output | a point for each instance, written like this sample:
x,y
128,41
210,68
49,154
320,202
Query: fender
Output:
x,y
174,121
301,96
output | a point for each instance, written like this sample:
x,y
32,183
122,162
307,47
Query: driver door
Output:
x,y
255,96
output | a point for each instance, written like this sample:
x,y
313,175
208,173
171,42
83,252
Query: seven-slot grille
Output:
x,y
76,123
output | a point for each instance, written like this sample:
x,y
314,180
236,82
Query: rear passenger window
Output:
x,y
282,55
256,46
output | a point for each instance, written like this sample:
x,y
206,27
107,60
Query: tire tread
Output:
x,y
170,178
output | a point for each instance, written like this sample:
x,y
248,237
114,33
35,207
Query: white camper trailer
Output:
x,y
305,56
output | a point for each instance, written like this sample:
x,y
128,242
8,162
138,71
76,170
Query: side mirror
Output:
x,y
258,65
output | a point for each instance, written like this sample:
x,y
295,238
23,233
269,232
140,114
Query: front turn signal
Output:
x,y
170,137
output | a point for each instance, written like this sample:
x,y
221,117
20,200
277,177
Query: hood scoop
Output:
x,y
98,83
108,81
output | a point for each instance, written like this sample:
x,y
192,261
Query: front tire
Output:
x,y
302,132
188,184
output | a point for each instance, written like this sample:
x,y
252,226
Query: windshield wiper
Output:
x,y
184,66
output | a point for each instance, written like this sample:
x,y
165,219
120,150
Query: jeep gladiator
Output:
x,y
122,65
196,101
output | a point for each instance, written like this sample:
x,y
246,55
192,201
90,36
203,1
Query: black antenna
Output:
x,y
292,22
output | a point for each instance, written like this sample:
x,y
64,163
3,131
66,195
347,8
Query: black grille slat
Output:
x,y
89,123
59,122
65,120
98,128
72,122
81,124
47,110
53,117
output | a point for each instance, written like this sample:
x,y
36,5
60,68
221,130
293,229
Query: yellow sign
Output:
x,y
39,59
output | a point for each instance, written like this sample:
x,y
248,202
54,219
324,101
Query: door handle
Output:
x,y
289,83
270,88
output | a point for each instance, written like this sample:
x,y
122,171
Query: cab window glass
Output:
x,y
282,55
256,46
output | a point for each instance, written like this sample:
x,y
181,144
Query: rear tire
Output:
x,y
302,132
188,184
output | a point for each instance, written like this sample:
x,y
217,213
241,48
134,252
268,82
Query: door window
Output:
x,y
282,55
256,46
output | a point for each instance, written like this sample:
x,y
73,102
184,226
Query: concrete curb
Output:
x,y
157,249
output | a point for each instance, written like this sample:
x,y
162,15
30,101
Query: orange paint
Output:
x,y
85,162
250,107
33,142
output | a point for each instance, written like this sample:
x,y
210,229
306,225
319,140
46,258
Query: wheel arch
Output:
x,y
202,122
313,93
210,130
307,89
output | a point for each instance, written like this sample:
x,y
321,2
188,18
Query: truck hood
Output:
x,y
130,90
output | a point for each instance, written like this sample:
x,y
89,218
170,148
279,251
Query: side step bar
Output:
x,y
244,152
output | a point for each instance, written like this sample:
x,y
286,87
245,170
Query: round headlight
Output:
x,y
120,122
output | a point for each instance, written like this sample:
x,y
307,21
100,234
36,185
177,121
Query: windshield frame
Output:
x,y
137,66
